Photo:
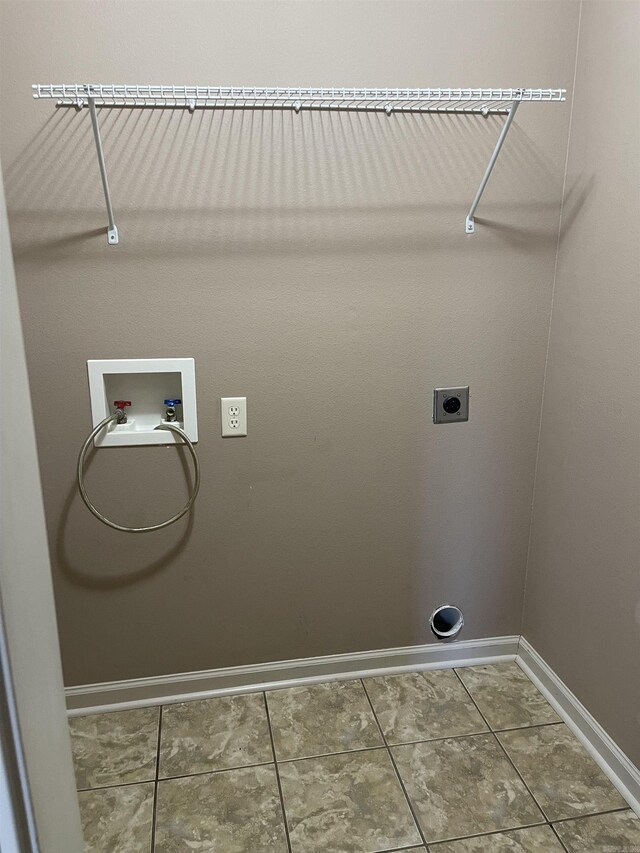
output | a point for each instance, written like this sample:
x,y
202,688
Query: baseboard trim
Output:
x,y
182,687
166,689
605,752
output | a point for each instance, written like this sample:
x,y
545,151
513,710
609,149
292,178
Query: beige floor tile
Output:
x,y
423,705
234,811
536,839
617,832
214,734
114,748
349,803
117,819
560,774
321,719
464,786
506,697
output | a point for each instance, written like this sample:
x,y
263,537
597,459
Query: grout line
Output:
x,y
330,754
529,726
214,771
527,826
521,777
546,360
626,808
386,745
560,841
318,755
275,764
401,849
512,763
436,739
410,848
115,785
497,739
557,722
395,767
155,784
491,832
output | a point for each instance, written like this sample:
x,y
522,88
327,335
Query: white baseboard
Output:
x,y
604,751
165,689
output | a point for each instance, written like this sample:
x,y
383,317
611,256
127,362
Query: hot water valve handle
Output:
x,y
121,405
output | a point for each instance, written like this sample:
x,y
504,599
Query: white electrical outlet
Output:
x,y
233,412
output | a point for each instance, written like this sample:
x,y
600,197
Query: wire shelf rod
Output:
x,y
314,107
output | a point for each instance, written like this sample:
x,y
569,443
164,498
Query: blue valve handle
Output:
x,y
172,402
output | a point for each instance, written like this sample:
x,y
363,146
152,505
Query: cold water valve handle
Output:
x,y
170,414
121,405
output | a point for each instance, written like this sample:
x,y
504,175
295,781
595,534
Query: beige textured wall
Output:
x,y
582,606
317,264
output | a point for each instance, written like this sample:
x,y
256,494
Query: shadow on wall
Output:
x,y
574,199
225,182
76,570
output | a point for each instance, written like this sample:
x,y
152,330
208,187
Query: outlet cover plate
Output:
x,y
233,415
441,396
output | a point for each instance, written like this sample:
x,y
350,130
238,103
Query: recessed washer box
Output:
x,y
147,382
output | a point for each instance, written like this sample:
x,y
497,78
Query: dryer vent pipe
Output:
x,y
446,621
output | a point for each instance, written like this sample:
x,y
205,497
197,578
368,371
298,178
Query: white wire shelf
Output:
x,y
482,101
473,101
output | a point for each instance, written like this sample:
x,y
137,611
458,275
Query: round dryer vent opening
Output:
x,y
446,621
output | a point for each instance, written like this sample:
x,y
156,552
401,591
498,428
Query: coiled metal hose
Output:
x,y
85,497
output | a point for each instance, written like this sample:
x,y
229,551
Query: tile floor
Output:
x,y
450,761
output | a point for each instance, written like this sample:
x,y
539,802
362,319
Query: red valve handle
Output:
x,y
121,404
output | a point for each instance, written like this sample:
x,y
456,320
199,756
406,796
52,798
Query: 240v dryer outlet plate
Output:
x,y
450,405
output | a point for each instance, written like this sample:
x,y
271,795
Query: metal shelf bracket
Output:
x,y
112,230
470,223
